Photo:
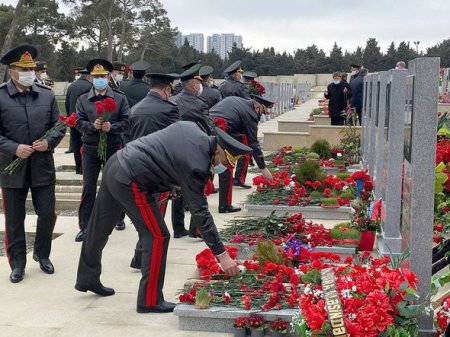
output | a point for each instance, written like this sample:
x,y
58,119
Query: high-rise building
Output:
x,y
196,41
223,43
214,43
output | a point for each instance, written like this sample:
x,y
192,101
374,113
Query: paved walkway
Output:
x,y
48,305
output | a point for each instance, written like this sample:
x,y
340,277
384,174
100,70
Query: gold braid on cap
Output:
x,y
25,61
232,159
99,70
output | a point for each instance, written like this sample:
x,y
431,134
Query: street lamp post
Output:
x,y
416,43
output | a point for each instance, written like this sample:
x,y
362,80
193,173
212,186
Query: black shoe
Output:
x,y
215,191
68,151
180,234
229,209
45,264
80,236
120,225
135,263
251,163
98,289
16,275
161,308
238,183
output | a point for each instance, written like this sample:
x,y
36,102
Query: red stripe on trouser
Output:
x,y
155,263
163,203
6,229
230,185
246,161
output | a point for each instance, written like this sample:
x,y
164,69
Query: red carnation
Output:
x,y
99,107
71,120
221,123
109,104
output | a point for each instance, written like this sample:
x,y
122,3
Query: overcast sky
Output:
x,y
290,24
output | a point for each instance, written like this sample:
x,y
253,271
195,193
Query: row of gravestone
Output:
x,y
398,144
285,95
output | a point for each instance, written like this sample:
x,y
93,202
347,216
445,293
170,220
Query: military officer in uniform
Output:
x,y
242,117
179,156
136,88
232,86
194,109
80,86
28,111
210,94
248,76
116,76
155,112
90,125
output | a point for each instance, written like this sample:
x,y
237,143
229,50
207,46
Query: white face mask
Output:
x,y
200,91
26,78
119,78
43,76
211,83
77,77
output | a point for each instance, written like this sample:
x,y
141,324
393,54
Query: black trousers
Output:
x,y
117,193
75,146
337,120
226,187
14,209
242,164
91,170
178,214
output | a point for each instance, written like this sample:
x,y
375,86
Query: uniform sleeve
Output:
x,y
67,102
55,137
7,146
252,138
193,193
327,95
349,92
84,125
244,91
122,125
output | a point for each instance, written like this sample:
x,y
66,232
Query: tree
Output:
x,y
390,58
442,50
405,52
336,59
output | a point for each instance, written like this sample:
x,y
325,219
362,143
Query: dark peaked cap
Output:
x,y
236,66
230,144
140,65
189,65
206,70
161,78
355,66
192,72
21,56
262,100
250,74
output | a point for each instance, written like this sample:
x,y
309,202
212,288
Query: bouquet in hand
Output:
x,y
256,88
61,124
104,110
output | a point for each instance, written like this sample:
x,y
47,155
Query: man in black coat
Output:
x,y
357,88
241,116
194,109
92,126
179,156
177,88
80,86
209,94
136,88
338,93
116,75
155,112
28,111
232,86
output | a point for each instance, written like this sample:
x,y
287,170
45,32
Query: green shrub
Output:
x,y
313,155
329,201
343,176
348,194
322,148
338,162
315,195
316,111
309,170
345,231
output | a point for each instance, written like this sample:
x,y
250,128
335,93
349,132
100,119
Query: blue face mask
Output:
x,y
336,81
100,83
219,168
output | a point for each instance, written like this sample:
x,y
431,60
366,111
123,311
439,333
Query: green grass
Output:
x,y
62,108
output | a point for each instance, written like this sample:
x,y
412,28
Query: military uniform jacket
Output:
x,y
135,90
231,87
24,118
87,114
180,156
210,95
192,109
241,120
152,114
74,90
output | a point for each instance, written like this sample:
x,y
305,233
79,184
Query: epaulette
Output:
x,y
43,86
119,91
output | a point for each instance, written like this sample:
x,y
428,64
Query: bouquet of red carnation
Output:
x,y
255,321
61,124
279,325
104,109
221,123
256,88
240,322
